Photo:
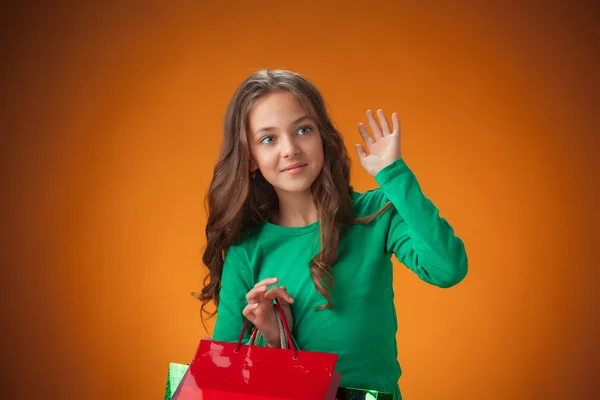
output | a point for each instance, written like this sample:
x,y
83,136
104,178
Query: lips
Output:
x,y
294,166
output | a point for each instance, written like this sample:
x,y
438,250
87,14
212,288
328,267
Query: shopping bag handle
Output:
x,y
285,328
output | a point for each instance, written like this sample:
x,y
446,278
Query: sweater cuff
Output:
x,y
391,172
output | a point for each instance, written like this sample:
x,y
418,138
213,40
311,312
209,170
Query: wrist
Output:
x,y
275,345
272,339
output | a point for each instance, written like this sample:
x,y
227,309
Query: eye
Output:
x,y
267,139
304,130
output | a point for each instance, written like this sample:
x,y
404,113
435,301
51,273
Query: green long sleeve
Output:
x,y
236,282
420,238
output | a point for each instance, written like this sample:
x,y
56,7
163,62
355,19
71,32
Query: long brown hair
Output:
x,y
235,203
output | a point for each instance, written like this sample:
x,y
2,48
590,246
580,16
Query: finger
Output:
x,y
385,126
365,135
396,122
284,288
360,150
373,124
248,311
279,293
287,313
256,294
267,282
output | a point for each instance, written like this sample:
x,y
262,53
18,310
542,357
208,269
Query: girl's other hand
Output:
x,y
384,147
261,313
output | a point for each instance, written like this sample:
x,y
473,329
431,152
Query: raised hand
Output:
x,y
260,310
384,147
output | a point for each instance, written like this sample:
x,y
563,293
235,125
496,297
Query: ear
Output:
x,y
253,166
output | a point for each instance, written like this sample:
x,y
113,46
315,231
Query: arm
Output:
x,y
420,238
236,281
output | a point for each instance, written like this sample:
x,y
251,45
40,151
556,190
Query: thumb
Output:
x,y
362,153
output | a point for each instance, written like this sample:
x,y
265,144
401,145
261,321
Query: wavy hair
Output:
x,y
236,203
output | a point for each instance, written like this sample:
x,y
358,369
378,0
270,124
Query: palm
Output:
x,y
265,316
383,148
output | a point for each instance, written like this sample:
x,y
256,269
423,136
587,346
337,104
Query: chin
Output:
x,y
294,187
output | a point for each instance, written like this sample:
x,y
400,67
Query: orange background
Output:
x,y
111,121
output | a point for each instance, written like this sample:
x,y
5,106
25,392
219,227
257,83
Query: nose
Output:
x,y
290,147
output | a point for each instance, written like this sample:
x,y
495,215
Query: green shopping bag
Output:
x,y
362,394
176,373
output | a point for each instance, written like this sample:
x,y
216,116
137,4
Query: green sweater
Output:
x,y
361,327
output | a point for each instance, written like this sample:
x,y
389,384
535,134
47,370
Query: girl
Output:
x,y
284,222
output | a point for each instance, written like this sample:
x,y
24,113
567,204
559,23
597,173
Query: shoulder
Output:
x,y
369,202
242,249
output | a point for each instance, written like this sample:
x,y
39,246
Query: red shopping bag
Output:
x,y
229,371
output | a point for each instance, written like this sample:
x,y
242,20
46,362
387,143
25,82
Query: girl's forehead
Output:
x,y
278,108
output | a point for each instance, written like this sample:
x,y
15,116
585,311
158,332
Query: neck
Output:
x,y
296,209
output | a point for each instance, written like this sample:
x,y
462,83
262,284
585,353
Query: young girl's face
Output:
x,y
285,144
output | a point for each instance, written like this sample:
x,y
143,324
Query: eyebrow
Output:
x,y
270,128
